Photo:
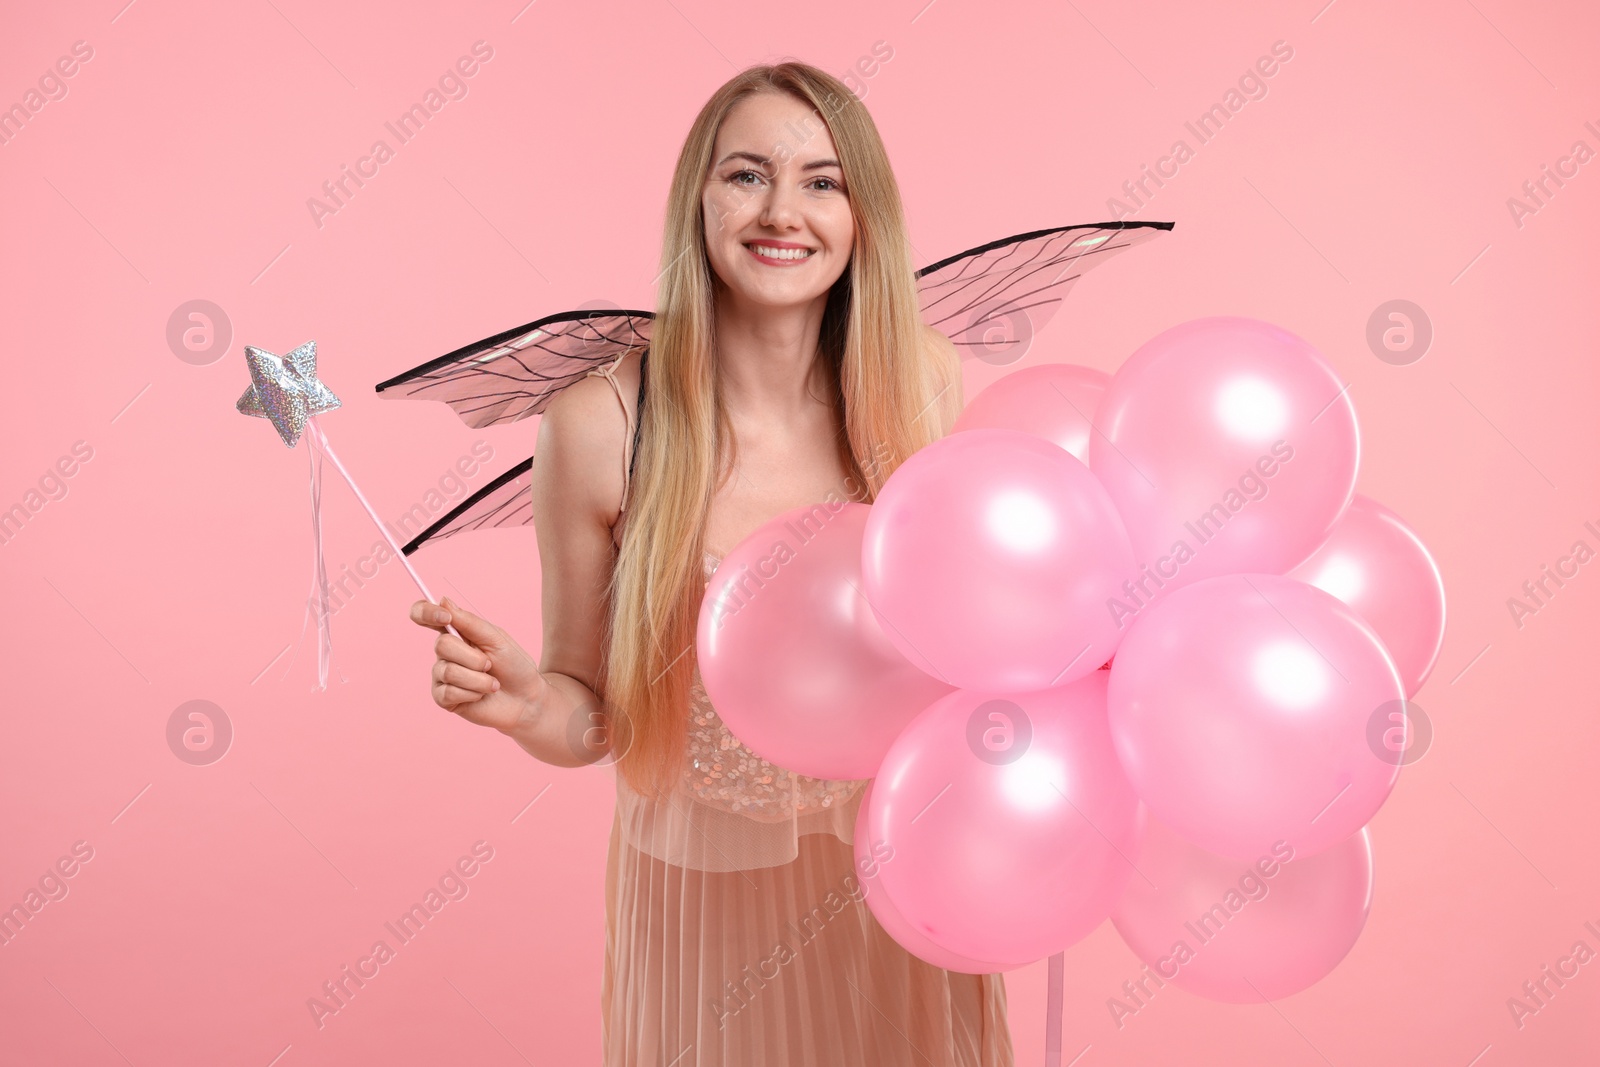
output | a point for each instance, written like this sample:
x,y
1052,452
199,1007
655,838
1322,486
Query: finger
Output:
x,y
450,697
479,631
461,677
452,648
429,614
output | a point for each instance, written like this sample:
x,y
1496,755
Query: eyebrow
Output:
x,y
815,164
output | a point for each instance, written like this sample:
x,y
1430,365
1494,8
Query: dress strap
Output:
x,y
608,372
644,369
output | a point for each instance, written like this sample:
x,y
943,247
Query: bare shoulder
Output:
x,y
577,501
945,362
583,438
939,342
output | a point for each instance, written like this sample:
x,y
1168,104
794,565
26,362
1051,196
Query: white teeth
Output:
x,y
779,253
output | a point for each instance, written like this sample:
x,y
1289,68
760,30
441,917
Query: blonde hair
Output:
x,y
883,378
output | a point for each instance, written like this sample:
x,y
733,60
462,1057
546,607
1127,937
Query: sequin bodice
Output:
x,y
719,770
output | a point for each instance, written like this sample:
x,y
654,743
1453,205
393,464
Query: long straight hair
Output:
x,y
883,377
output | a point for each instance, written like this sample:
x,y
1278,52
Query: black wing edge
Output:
x,y
500,339
466,505
1014,238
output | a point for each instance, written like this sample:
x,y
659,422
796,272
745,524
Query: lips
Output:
x,y
766,253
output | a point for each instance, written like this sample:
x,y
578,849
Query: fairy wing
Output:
x,y
506,501
515,374
507,377
1013,285
992,300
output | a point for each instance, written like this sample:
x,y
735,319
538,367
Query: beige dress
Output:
x,y
736,933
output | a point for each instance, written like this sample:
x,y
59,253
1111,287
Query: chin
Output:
x,y
779,300
773,295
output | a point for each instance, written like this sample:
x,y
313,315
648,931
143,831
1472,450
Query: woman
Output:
x,y
788,361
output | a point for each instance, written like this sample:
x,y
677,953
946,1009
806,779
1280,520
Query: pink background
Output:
x,y
219,898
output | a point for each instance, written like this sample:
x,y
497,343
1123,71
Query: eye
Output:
x,y
833,186
734,177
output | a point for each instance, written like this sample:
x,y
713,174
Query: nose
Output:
x,y
778,209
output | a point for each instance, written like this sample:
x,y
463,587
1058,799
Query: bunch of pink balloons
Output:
x,y
1193,515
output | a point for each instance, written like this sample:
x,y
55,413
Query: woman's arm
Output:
x,y
485,676
577,483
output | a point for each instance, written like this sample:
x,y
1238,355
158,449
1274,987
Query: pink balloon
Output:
x,y
1228,446
1010,821
793,658
1055,401
990,556
870,857
1240,707
1241,932
1376,564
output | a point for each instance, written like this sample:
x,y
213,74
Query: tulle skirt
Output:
x,y
777,965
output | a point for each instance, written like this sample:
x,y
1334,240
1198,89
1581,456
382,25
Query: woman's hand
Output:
x,y
487,678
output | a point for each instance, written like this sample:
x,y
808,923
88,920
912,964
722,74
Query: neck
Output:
x,y
767,357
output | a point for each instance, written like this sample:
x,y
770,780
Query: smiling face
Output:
x,y
775,183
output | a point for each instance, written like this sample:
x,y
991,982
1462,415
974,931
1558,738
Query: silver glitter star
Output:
x,y
285,391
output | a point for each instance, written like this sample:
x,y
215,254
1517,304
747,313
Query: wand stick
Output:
x,y
322,442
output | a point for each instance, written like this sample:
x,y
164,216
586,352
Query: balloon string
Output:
x,y
1054,993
